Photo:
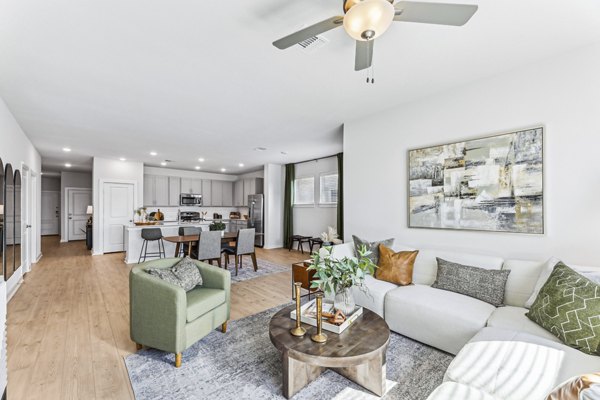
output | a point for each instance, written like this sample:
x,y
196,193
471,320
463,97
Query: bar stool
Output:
x,y
152,235
300,239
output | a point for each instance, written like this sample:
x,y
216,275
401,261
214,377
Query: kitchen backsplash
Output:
x,y
171,212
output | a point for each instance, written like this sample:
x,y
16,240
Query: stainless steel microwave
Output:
x,y
190,199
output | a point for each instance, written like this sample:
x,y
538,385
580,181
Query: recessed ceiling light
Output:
x,y
153,153
66,149
223,170
240,165
201,159
122,159
164,163
68,165
197,167
41,173
260,148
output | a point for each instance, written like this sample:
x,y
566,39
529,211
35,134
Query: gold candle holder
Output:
x,y
298,331
319,337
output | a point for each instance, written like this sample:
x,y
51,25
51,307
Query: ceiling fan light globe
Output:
x,y
368,15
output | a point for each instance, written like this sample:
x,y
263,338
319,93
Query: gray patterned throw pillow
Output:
x,y
373,247
483,284
185,274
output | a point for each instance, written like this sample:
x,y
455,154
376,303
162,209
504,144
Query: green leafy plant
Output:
x,y
334,275
217,226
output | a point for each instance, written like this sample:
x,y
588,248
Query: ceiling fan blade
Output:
x,y
364,54
434,13
308,32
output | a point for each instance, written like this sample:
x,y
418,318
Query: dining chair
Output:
x,y
209,247
244,245
187,231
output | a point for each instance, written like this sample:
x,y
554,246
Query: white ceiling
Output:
x,y
117,78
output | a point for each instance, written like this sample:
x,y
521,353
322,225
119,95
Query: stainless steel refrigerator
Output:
x,y
256,215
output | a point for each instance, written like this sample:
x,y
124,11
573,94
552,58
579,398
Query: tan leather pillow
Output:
x,y
395,267
573,389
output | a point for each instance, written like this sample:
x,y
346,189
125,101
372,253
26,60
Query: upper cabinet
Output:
x,y
163,191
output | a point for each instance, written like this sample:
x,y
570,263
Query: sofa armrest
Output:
x,y
157,309
216,278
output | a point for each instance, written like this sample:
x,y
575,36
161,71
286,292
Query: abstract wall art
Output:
x,y
488,184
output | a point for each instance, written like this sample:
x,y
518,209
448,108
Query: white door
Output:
x,y
77,202
118,208
50,212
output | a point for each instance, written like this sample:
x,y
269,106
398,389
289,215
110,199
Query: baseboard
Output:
x,y
39,257
95,253
15,290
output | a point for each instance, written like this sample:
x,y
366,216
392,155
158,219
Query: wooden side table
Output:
x,y
301,274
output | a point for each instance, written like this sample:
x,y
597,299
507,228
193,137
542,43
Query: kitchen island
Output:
x,y
132,236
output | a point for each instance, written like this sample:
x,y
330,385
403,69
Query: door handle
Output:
x,y
27,226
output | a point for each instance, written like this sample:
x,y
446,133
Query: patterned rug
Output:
x,y
247,271
243,364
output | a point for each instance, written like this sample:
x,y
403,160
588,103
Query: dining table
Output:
x,y
191,239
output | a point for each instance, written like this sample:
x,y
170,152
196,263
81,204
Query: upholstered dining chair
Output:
x,y
244,245
209,247
187,231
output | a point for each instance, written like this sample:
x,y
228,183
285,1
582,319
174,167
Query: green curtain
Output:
x,y
340,196
288,204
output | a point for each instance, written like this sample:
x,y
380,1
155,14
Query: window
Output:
x,y
329,189
304,191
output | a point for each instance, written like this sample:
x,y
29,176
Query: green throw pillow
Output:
x,y
568,306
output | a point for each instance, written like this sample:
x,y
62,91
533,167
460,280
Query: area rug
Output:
x,y
247,271
243,364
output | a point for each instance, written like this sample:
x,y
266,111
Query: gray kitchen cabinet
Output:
x,y
174,190
186,185
238,193
206,192
148,190
227,194
197,186
217,194
252,186
161,190
156,190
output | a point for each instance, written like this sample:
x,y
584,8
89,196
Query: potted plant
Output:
x,y
337,276
217,226
330,237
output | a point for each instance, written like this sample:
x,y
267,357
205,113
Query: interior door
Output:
x,y
50,212
78,200
118,205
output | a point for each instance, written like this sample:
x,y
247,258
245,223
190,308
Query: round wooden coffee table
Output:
x,y
358,353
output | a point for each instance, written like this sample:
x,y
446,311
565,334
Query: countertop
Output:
x,y
176,224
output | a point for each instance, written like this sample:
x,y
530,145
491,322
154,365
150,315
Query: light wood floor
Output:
x,y
68,324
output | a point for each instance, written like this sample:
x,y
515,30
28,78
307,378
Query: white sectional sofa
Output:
x,y
500,353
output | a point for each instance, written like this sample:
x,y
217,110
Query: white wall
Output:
x,y
17,149
51,183
70,180
274,176
561,93
106,169
312,220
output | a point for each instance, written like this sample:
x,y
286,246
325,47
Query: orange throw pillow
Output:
x,y
580,387
395,267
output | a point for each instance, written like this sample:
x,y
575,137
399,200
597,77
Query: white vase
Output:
x,y
344,301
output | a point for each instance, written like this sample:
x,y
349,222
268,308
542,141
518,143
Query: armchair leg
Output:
x,y
138,346
224,327
177,360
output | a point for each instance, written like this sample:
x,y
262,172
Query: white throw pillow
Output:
x,y
544,275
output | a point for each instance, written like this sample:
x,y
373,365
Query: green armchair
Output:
x,y
165,317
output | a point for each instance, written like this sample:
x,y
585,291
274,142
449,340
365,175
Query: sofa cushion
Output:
x,y
521,281
373,247
515,371
568,306
425,267
395,267
440,318
484,284
514,318
373,297
456,391
202,300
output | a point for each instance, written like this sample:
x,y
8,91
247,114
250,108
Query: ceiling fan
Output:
x,y
365,20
